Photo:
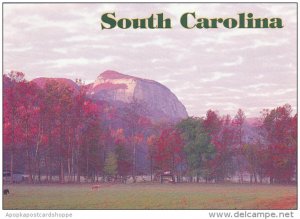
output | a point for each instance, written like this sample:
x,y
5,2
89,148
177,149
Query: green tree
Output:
x,y
111,164
198,147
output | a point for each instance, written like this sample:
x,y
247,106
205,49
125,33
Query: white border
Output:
x,y
132,214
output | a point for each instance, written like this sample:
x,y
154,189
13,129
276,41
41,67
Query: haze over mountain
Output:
x,y
118,89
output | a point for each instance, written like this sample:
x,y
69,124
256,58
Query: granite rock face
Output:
x,y
159,101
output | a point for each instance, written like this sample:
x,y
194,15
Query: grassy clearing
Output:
x,y
151,196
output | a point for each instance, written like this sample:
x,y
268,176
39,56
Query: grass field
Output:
x,y
151,196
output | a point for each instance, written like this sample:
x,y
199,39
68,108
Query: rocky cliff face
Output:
x,y
158,100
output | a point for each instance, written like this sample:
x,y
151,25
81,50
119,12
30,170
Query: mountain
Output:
x,y
120,89
41,82
254,121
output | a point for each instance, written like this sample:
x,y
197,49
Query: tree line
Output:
x,y
56,133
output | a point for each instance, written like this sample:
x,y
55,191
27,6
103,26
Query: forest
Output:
x,y
58,134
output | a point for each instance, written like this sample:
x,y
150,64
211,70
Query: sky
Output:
x,y
220,69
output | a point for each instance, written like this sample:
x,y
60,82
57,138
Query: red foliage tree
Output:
x,y
123,152
12,103
169,150
31,125
281,143
223,164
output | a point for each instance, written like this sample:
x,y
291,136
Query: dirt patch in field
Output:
x,y
289,202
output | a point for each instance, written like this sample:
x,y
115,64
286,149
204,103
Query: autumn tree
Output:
x,y
91,153
87,130
223,162
123,153
238,123
31,126
151,143
59,105
169,149
279,129
134,117
212,123
11,100
253,155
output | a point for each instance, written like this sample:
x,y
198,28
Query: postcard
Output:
x,y
149,106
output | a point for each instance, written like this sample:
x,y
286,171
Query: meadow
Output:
x,y
151,196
